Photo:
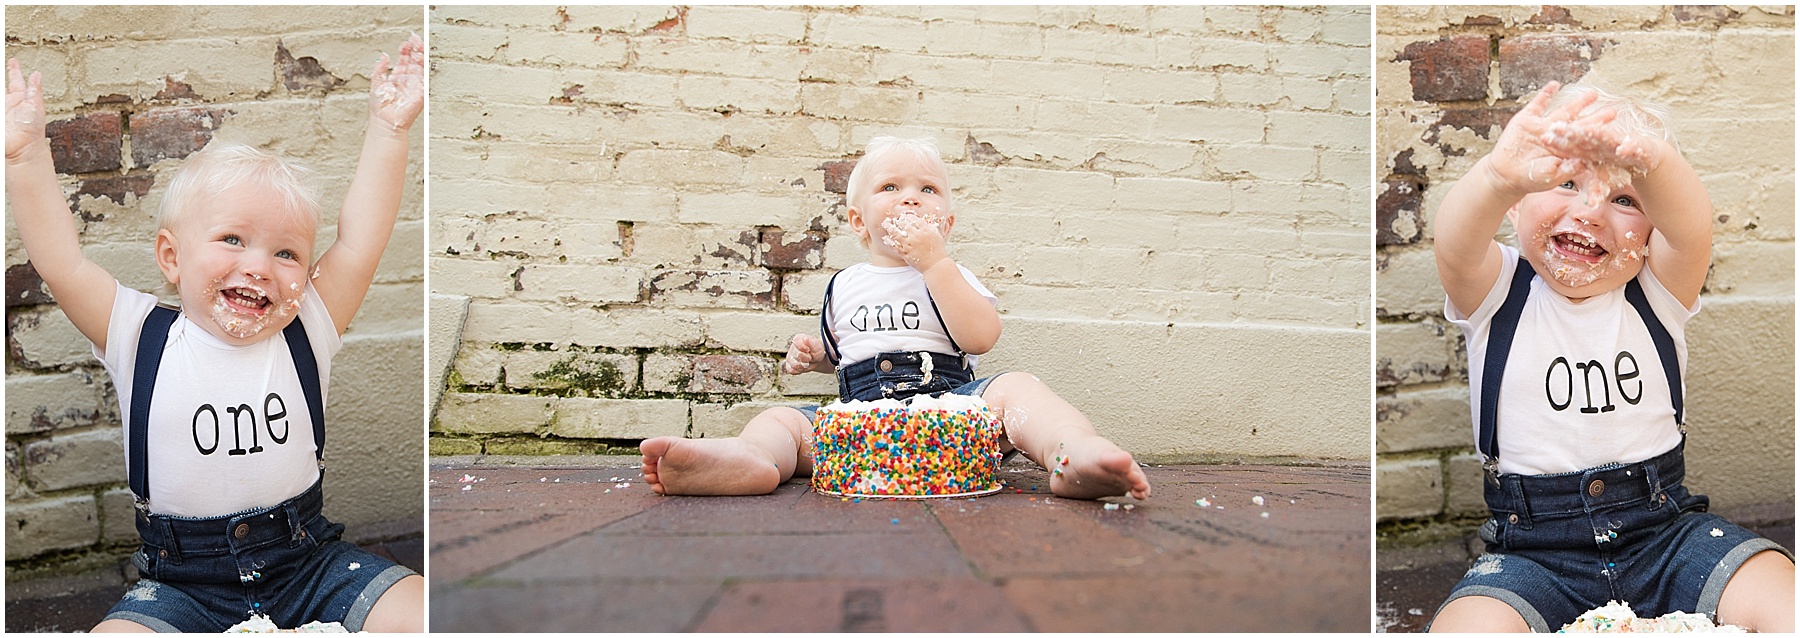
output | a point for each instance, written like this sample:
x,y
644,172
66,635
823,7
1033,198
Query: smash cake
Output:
x,y
260,624
926,447
1617,618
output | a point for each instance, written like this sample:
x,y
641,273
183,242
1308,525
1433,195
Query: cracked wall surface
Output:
x,y
1447,80
1170,202
130,92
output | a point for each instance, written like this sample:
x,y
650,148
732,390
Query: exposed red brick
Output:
x,y
837,175
742,252
1447,69
805,253
1403,200
113,98
303,73
24,287
1552,14
86,143
1481,21
113,188
171,133
756,286
1528,62
725,373
1481,120
1705,13
174,89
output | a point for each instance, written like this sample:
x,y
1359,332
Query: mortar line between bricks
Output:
x,y
974,569
535,552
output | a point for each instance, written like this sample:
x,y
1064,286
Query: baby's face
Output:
x,y
1580,248
240,262
903,184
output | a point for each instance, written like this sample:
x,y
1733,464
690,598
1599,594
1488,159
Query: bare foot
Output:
x,y
708,467
1092,467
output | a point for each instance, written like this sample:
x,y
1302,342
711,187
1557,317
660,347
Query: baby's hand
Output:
x,y
1522,161
24,110
803,352
918,239
1614,157
397,94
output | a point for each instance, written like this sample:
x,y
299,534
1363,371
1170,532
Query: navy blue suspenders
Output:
x,y
1500,339
831,349
151,340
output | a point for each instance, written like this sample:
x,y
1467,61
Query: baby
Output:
x,y
1576,348
224,454
899,206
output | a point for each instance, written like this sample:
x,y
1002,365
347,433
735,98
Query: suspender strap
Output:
x,y
946,325
1665,344
1500,339
308,369
831,351
151,339
1505,327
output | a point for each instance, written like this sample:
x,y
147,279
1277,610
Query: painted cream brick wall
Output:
x,y
146,86
1728,74
643,204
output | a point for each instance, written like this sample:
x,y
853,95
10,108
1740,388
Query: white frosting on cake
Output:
x,y
921,403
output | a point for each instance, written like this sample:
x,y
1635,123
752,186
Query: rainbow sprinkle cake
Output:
x,y
932,447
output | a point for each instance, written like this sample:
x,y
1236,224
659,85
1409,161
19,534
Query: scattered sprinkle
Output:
x,y
895,521
1128,506
1257,500
1203,503
543,479
1112,506
468,487
1265,514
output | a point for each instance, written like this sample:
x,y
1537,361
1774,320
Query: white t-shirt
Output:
x,y
213,450
1584,385
875,310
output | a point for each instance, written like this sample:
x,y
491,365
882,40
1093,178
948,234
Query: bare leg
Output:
x,y
774,447
118,626
400,609
1478,614
1760,596
1060,438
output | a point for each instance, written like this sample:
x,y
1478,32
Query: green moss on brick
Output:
x,y
586,373
446,446
533,446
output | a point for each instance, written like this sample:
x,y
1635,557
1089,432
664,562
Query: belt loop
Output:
x,y
292,509
172,543
1654,480
1515,487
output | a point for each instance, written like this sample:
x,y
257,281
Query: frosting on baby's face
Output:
x,y
241,263
905,194
1584,243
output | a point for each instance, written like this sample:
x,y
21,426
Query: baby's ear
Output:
x,y
167,257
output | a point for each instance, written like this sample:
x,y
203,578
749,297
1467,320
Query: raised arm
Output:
x,y
1672,196
82,288
396,96
1468,258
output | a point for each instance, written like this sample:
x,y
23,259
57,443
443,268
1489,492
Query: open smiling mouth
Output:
x,y
1578,247
245,300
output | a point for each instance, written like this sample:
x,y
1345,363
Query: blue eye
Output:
x,y
233,240
931,189
1569,185
890,187
1625,200
287,254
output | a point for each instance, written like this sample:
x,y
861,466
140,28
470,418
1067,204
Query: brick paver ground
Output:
x,y
582,544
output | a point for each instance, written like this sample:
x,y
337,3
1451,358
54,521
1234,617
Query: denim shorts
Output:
x,y
900,375
1560,545
285,562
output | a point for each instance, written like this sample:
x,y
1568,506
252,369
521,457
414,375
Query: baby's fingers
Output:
x,y
1540,103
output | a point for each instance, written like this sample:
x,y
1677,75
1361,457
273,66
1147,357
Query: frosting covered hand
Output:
x,y
918,238
803,353
397,93
24,110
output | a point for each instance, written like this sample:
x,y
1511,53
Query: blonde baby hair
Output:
x,y
224,166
